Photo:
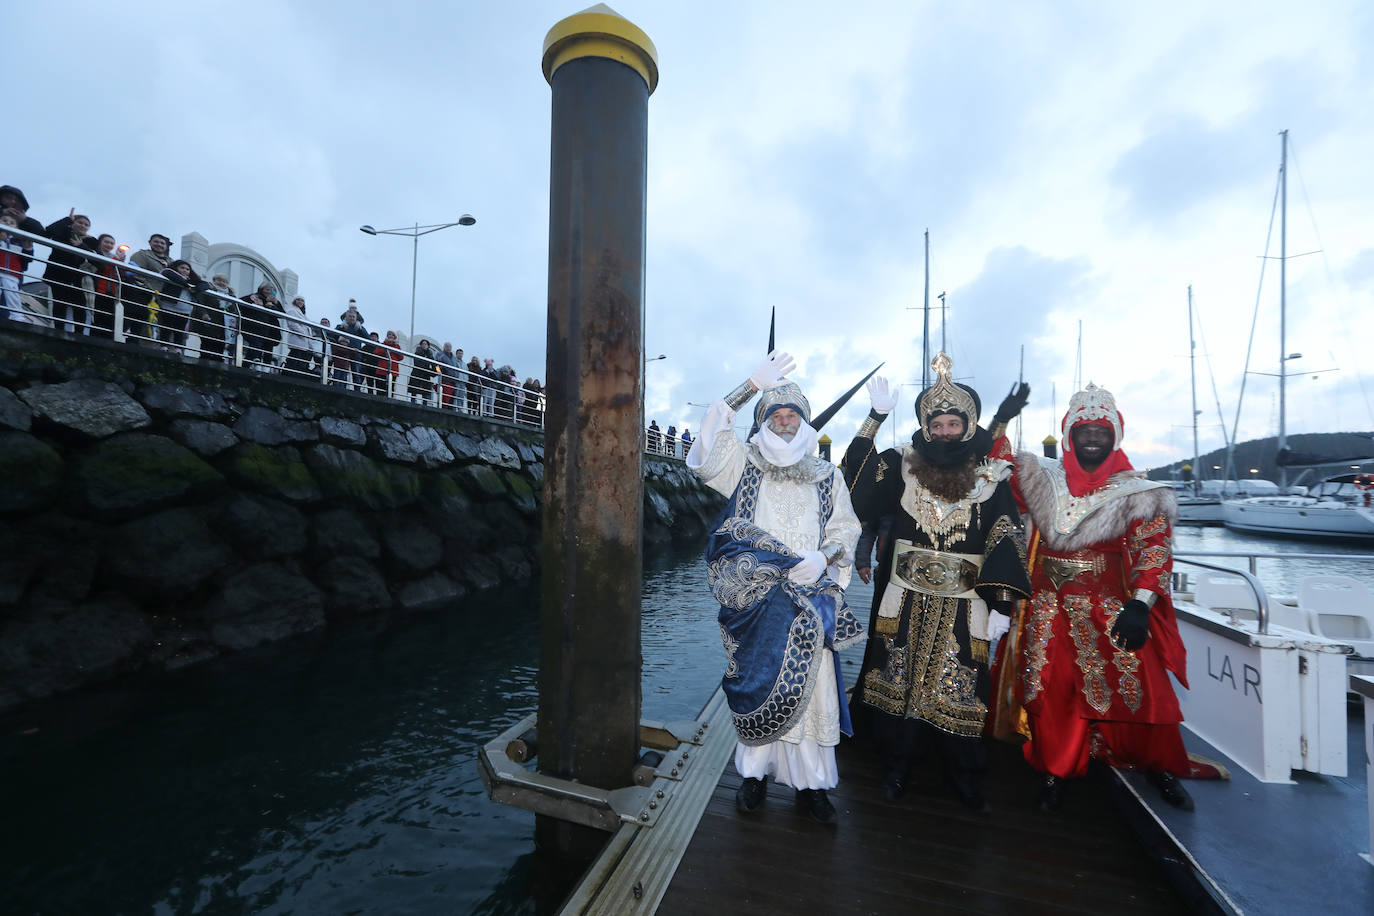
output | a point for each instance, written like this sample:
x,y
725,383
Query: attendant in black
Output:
x,y
954,564
422,368
64,272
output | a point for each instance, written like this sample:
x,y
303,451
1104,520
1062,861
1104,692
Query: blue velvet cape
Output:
x,y
773,629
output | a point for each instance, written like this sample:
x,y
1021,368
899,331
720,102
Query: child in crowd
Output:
x,y
11,265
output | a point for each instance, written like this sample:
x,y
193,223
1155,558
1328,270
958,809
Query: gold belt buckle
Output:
x,y
936,573
1061,569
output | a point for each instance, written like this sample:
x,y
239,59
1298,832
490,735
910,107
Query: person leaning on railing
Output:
x,y
139,312
105,282
63,272
261,332
215,320
11,265
180,284
298,337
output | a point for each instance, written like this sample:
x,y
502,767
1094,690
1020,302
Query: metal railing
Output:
x,y
113,299
1251,577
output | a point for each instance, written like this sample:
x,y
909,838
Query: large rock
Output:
x,y
429,446
356,479
274,471
202,436
526,451
433,591
410,548
136,473
43,654
87,406
180,401
337,431
481,481
166,556
514,566
30,472
261,527
391,444
339,532
263,604
464,446
263,426
497,452
478,571
447,508
14,413
521,493
352,585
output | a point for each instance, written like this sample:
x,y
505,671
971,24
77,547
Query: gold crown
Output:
x,y
945,396
1093,403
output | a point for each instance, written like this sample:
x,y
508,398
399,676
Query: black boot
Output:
x,y
894,780
969,790
815,803
1170,789
1051,793
751,793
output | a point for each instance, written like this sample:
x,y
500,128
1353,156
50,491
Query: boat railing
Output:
x,y
1251,577
1261,596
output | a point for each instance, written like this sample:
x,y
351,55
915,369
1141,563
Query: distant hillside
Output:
x,y
1259,453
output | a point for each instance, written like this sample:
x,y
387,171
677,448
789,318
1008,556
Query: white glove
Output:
x,y
810,568
772,370
880,396
998,625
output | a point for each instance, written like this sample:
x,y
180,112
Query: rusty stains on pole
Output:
x,y
601,70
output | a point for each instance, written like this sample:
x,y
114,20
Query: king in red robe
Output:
x,y
1099,638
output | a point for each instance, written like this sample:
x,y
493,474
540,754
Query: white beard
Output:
x,y
779,451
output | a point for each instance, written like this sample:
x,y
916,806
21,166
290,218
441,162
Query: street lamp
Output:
x,y
414,232
650,359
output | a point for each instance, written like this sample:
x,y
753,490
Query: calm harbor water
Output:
x,y
338,775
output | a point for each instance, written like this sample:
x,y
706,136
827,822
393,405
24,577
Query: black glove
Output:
x,y
1132,626
1012,403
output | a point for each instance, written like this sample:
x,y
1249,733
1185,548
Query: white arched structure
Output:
x,y
244,267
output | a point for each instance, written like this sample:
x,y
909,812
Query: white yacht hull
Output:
x,y
1293,517
1199,510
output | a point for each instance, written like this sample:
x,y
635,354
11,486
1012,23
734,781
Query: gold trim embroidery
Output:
x,y
1152,558
1157,525
1096,690
1043,609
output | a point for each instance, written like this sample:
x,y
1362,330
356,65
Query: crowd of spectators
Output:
x,y
168,306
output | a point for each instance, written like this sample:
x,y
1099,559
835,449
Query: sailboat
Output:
x,y
1194,505
1334,509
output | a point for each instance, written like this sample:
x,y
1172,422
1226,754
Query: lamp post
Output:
x,y
414,232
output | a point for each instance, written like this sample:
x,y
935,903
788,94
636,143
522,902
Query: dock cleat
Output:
x,y
751,793
1171,790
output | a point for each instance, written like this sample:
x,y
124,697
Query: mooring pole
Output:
x,y
601,69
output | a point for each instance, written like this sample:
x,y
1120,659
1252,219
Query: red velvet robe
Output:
x,y
1083,696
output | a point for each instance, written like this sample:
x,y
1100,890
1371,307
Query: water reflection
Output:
x,y
1280,577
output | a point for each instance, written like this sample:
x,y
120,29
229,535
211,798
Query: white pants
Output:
x,y
804,757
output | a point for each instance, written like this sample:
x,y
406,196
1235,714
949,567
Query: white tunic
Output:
x,y
804,756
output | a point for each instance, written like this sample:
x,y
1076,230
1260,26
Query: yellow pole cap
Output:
x,y
824,440
600,31
1050,440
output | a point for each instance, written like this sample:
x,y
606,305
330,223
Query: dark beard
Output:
x,y
950,483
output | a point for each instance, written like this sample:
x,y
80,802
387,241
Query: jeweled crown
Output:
x,y
1093,403
946,395
787,394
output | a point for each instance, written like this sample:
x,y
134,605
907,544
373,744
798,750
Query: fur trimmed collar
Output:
x,y
1069,522
810,469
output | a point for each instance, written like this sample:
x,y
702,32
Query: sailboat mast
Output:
x,y
925,327
942,324
1192,375
1283,307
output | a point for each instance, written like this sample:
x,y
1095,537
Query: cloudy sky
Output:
x,y
1072,161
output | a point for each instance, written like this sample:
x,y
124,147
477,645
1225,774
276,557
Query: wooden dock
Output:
x,y
925,853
